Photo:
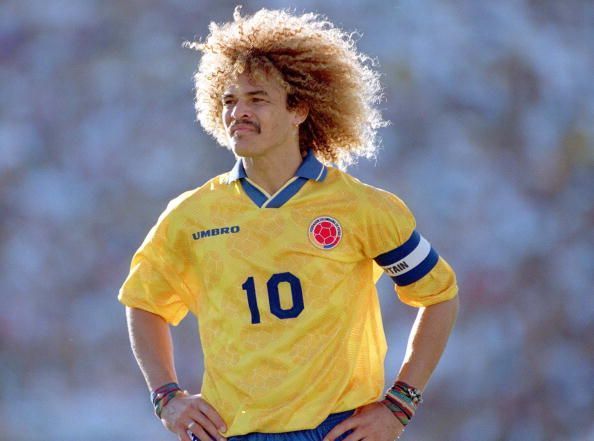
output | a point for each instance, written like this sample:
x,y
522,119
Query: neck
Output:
x,y
273,170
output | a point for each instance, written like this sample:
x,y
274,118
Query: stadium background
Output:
x,y
491,145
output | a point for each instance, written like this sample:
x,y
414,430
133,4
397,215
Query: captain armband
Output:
x,y
410,261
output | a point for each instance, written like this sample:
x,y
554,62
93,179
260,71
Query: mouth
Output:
x,y
242,128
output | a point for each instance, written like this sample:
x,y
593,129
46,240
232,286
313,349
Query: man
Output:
x,y
279,257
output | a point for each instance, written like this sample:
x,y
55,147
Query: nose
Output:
x,y
240,110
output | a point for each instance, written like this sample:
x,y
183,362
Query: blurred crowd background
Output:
x,y
491,145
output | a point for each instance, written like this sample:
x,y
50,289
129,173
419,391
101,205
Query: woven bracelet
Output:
x,y
411,392
163,402
163,390
402,416
162,395
402,400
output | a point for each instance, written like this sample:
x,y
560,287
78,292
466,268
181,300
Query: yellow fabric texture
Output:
x,y
281,374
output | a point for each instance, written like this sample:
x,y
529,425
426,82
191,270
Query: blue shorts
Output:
x,y
316,434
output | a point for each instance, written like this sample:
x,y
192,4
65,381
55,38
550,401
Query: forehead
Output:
x,y
245,83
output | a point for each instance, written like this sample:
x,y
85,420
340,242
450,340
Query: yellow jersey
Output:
x,y
283,287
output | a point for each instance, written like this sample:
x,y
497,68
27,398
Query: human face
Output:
x,y
257,120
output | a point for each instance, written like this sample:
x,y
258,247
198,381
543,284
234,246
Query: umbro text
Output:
x,y
215,232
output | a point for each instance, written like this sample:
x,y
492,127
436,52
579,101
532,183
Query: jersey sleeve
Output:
x,y
421,276
155,282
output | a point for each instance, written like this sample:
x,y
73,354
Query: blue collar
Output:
x,y
310,168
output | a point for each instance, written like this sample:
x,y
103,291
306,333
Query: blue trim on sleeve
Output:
x,y
254,194
401,252
287,193
419,271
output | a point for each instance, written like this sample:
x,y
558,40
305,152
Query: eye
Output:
x,y
228,101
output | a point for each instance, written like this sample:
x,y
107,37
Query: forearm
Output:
x,y
427,342
150,339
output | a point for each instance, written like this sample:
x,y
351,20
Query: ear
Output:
x,y
300,113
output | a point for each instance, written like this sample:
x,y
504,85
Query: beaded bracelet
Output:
x,y
162,395
402,400
411,392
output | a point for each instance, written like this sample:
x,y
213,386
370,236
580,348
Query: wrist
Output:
x,y
402,400
162,395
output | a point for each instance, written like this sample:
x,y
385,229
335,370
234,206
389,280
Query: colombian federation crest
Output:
x,y
325,232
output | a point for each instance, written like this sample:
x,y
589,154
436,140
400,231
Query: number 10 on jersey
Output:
x,y
272,285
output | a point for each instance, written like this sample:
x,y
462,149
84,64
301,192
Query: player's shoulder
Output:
x,y
366,193
193,198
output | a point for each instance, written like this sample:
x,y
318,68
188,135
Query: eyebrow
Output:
x,y
252,93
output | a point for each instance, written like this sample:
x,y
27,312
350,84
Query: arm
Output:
x,y
152,346
151,343
427,341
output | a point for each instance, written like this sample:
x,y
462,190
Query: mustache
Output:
x,y
247,122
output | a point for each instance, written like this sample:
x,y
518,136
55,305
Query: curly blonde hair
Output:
x,y
316,63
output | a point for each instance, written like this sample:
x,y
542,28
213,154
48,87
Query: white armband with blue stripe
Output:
x,y
410,261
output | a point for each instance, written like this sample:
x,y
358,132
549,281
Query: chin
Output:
x,y
244,148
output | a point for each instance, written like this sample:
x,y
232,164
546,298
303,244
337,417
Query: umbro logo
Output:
x,y
215,232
